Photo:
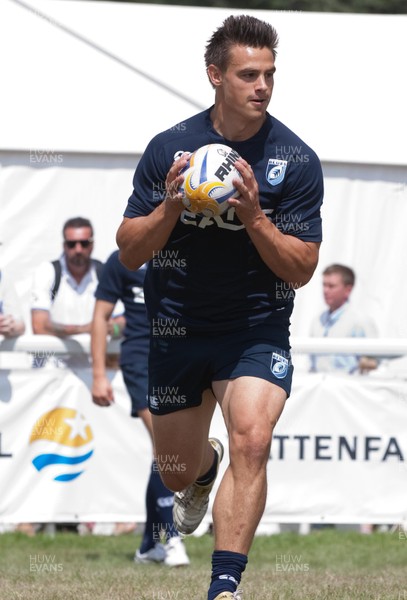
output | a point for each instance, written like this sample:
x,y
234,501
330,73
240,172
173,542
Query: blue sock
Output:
x,y
210,475
227,569
159,503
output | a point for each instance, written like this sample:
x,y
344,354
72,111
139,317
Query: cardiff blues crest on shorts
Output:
x,y
154,404
275,171
279,365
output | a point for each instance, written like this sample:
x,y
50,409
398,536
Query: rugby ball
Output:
x,y
208,180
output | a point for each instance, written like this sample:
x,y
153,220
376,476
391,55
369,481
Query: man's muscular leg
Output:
x,y
251,407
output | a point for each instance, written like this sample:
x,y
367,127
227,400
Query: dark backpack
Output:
x,y
58,271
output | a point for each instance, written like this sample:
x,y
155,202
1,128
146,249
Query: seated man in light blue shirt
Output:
x,y
341,320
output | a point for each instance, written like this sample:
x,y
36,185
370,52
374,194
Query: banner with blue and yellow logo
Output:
x,y
339,451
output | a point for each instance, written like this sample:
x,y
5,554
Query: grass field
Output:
x,y
329,564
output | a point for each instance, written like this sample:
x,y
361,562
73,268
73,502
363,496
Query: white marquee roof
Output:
x,y
340,81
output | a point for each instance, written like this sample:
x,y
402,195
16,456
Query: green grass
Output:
x,y
330,564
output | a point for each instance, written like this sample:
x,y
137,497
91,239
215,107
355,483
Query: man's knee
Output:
x,y
252,447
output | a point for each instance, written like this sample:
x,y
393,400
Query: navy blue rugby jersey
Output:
x,y
118,283
209,277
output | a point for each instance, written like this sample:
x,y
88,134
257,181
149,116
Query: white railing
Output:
x,y
384,347
32,344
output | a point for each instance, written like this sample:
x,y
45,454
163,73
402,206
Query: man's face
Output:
x,y
336,292
247,84
78,246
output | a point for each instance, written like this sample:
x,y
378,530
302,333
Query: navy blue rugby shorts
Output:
x,y
181,368
135,377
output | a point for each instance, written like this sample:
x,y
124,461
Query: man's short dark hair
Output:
x,y
240,30
347,274
76,223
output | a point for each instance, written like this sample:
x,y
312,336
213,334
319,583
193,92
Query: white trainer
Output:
x,y
156,554
191,504
175,553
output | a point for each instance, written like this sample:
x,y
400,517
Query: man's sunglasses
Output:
x,y
72,243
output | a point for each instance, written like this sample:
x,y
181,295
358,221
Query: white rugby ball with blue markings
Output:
x,y
208,180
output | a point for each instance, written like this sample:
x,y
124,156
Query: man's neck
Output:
x,y
229,127
334,310
78,273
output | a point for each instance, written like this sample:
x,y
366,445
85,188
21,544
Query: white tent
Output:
x,y
85,85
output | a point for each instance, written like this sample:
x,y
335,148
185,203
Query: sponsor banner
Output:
x,y
63,458
338,453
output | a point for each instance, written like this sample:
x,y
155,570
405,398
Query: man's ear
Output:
x,y
215,75
349,288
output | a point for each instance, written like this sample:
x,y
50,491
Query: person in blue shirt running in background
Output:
x,y
220,313
118,283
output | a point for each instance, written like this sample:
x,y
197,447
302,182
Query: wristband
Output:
x,y
116,330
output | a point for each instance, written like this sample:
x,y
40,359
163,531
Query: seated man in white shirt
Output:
x,y
341,320
68,309
63,290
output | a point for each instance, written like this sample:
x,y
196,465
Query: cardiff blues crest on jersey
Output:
x,y
275,171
